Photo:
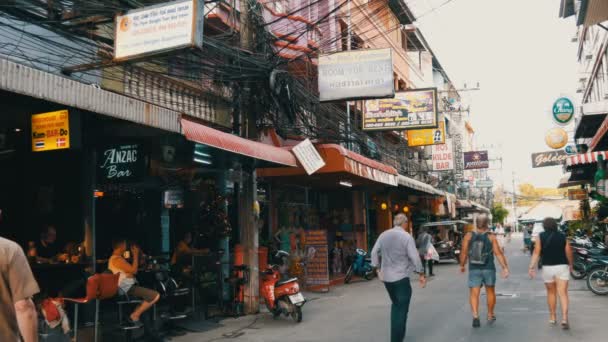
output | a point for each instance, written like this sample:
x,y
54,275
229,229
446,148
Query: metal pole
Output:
x,y
513,202
348,47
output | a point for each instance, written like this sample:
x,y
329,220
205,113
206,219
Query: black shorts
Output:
x,y
146,294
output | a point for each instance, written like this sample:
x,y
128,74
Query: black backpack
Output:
x,y
480,248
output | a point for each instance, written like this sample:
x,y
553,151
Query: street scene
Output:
x,y
303,170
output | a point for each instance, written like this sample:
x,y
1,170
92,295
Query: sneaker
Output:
x,y
491,320
476,322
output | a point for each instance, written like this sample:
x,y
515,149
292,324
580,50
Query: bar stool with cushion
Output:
x,y
98,287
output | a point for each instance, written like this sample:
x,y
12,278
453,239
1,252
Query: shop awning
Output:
x,y
592,117
568,180
202,134
460,203
592,12
585,158
480,207
418,185
340,165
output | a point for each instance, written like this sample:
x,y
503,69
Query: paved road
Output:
x,y
360,311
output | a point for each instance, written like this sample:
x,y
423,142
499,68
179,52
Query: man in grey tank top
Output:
x,y
483,274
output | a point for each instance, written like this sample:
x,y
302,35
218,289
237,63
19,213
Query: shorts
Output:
x,y
144,293
527,242
479,278
553,272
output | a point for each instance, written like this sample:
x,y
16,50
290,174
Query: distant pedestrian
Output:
x,y
554,250
17,286
508,231
395,256
424,243
481,247
500,236
527,239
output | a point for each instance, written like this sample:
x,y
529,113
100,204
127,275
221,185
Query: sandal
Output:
x,y
565,325
491,319
552,322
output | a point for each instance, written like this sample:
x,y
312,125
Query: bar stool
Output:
x,y
99,287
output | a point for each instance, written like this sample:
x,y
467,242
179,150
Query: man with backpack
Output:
x,y
481,247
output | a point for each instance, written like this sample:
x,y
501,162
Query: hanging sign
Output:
x,y
556,138
476,160
158,28
443,158
428,136
563,111
308,156
577,194
119,163
549,158
412,109
51,131
317,254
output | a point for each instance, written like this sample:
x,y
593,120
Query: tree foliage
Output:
x,y
499,213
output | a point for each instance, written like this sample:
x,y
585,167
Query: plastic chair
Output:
x,y
99,287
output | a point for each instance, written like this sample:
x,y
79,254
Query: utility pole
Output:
x,y
513,202
348,47
248,190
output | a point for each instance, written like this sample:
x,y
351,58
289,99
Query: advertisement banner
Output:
x,y
443,158
476,160
158,28
359,74
412,109
51,131
317,254
428,136
549,158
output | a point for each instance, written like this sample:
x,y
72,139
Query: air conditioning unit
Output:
x,y
589,57
574,39
579,90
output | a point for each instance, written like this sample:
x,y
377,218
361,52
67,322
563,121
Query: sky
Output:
x,y
522,55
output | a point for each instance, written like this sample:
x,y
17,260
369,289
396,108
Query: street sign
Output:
x,y
563,111
485,183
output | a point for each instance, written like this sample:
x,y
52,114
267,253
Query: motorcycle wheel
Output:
x,y
597,281
369,276
296,315
349,275
578,272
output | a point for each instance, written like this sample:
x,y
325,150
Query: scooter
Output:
x,y
597,276
282,296
361,267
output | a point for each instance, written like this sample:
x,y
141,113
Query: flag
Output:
x,y
39,144
61,142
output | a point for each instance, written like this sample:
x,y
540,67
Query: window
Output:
x,y
403,40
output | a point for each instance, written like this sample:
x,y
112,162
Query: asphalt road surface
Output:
x,y
440,312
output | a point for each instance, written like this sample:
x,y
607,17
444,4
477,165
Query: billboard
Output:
x,y
158,28
427,136
442,156
476,160
359,74
51,131
549,158
411,109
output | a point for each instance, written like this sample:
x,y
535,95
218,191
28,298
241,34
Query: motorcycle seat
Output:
x,y
285,281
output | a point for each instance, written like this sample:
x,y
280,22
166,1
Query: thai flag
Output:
x,y
61,142
39,144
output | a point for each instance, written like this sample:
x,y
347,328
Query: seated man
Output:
x,y
47,249
182,256
127,282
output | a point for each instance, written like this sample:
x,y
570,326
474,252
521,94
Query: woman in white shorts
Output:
x,y
554,250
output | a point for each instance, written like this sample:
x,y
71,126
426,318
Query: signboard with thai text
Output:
x,y
51,131
120,163
411,109
476,160
317,255
308,156
359,74
427,136
443,157
549,158
159,28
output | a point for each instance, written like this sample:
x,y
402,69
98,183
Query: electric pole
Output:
x,y
513,202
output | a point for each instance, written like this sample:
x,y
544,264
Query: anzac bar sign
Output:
x,y
549,158
120,163
412,109
317,254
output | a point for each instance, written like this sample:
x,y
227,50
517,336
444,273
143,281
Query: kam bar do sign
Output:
x,y
412,109
549,158
443,158
159,28
51,131
360,74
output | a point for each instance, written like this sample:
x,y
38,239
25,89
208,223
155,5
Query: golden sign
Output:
x,y
51,131
427,136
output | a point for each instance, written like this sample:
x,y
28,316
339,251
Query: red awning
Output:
x,y
202,134
340,161
585,158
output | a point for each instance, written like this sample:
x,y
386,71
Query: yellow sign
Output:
x,y
427,136
556,138
50,131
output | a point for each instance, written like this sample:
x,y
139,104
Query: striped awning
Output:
x,y
418,185
585,158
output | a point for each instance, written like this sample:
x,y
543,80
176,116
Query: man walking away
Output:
x,y
396,256
423,242
481,247
17,286
556,255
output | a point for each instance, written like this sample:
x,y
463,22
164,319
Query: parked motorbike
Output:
x,y
597,278
282,296
447,250
361,267
583,250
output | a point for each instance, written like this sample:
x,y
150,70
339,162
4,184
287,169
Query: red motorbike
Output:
x,y
282,296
